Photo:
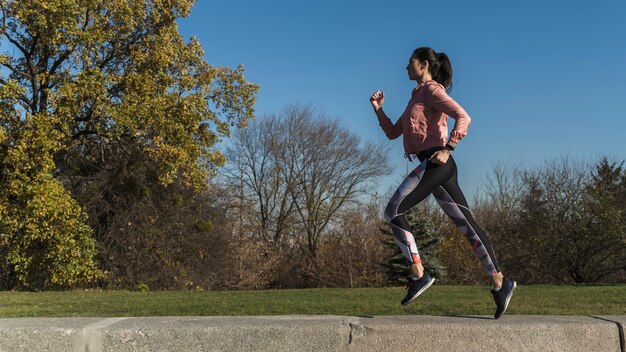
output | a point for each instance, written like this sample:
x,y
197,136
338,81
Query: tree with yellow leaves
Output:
x,y
82,78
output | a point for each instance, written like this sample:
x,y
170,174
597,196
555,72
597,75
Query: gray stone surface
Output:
x,y
509,333
41,334
281,333
621,320
616,318
312,333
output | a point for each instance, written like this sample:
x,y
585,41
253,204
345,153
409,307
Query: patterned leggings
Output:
x,y
441,181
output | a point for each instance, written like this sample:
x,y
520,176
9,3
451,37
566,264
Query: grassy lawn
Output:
x,y
438,300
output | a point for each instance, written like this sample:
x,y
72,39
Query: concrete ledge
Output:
x,y
510,333
314,333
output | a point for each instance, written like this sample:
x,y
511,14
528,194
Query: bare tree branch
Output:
x,y
303,169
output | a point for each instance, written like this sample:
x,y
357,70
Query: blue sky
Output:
x,y
540,79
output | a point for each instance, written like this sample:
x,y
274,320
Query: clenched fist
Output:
x,y
377,99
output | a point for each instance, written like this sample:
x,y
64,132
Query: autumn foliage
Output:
x,y
84,83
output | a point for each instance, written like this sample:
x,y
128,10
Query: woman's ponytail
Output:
x,y
444,74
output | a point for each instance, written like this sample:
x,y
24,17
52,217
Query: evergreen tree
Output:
x,y
396,266
427,239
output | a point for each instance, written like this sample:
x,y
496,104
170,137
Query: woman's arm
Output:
x,y
392,131
441,101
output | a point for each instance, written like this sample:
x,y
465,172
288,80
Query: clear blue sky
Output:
x,y
540,79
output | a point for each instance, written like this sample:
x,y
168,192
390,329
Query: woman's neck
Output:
x,y
425,78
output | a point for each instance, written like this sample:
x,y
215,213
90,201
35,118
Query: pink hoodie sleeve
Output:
x,y
440,100
392,131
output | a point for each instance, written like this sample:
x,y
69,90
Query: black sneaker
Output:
x,y
503,296
415,287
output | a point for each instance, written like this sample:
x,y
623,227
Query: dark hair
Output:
x,y
438,64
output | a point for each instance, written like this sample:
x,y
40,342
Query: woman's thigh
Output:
x,y
434,176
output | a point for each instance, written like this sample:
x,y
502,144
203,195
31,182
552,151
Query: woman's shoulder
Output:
x,y
432,86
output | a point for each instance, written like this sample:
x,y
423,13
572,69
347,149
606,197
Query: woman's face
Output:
x,y
416,68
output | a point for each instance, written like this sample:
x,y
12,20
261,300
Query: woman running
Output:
x,y
424,128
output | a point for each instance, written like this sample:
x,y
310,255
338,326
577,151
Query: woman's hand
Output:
x,y
440,156
377,99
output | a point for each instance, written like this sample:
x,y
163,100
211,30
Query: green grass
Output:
x,y
438,300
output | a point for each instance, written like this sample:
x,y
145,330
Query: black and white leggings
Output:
x,y
441,181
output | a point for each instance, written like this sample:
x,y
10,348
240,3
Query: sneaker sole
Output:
x,y
419,292
508,299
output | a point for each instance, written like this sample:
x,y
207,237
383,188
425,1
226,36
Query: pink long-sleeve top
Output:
x,y
424,123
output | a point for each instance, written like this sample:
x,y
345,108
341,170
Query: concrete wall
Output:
x,y
315,333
